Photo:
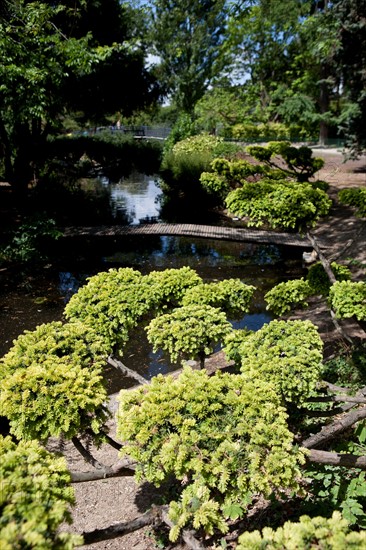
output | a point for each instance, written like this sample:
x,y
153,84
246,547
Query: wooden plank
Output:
x,y
191,230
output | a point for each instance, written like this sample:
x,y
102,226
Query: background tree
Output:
x,y
187,37
351,57
283,53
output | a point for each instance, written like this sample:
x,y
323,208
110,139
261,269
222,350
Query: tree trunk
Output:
x,y
324,103
7,152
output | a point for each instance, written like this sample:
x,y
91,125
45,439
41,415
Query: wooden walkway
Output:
x,y
191,230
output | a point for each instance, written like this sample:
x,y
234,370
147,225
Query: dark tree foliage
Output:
x,y
58,58
351,15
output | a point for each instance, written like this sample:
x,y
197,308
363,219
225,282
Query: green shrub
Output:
x,y
191,330
183,128
31,240
202,143
230,295
181,173
114,302
280,203
183,165
354,197
299,161
319,280
222,437
348,299
308,534
52,382
286,353
287,295
111,302
169,286
35,497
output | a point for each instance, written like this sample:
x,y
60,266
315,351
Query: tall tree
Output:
x,y
285,53
351,57
187,35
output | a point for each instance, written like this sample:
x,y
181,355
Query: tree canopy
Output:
x,y
187,37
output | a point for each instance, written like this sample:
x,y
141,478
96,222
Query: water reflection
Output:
x,y
134,199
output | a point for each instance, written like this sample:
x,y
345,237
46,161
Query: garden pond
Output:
x,y
30,297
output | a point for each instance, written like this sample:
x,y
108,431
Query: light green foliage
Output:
x,y
169,286
228,174
308,534
279,203
287,295
214,184
348,299
233,342
299,161
319,280
354,197
192,330
230,295
35,495
52,382
286,353
202,143
262,131
111,303
224,437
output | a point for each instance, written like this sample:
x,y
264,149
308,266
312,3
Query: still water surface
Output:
x,y
29,299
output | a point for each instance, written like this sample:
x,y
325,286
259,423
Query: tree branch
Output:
x,y
120,529
87,456
125,370
332,430
329,272
123,468
338,398
322,258
156,515
333,387
337,459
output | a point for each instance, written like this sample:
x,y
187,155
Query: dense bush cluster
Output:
x,y
223,437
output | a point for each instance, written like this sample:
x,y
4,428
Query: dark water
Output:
x,y
29,298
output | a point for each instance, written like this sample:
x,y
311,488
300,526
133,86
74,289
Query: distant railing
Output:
x,y
153,132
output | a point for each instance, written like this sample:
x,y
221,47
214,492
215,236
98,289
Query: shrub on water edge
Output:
x,y
286,353
348,299
52,382
280,203
287,295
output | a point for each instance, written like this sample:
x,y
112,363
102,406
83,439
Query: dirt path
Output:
x,y
101,503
